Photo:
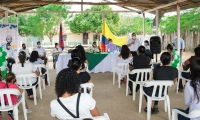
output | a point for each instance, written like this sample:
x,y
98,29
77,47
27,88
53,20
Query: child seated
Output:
x,y
10,83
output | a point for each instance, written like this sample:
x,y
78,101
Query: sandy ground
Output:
x,y
110,99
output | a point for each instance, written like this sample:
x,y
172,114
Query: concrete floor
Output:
x,y
110,99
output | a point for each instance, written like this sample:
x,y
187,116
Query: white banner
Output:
x,y
9,33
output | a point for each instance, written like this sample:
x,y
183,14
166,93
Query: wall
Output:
x,y
72,39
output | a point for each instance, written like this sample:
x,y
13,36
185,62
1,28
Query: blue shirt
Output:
x,y
182,46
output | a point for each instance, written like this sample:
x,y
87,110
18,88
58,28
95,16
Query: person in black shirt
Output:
x,y
164,72
138,62
76,65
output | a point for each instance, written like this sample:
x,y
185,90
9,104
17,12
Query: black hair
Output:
x,y
68,81
170,47
75,53
56,44
198,45
133,34
94,43
165,58
109,39
125,51
9,77
195,77
38,42
34,56
82,52
197,51
75,64
141,49
22,57
146,41
23,44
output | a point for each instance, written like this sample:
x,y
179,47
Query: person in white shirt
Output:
x,y
94,46
124,57
41,51
56,51
192,91
25,50
146,45
10,56
68,95
24,68
133,44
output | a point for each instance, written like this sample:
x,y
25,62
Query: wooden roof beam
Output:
x,y
7,9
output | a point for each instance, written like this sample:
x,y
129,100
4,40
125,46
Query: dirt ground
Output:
x,y
110,99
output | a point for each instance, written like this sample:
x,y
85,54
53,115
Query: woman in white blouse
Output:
x,y
70,103
23,68
125,56
56,51
192,91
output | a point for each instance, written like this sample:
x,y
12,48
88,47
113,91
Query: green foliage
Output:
x,y
41,24
88,21
134,24
189,20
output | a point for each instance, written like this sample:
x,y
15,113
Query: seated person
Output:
x,y
56,51
25,50
124,56
138,62
186,66
94,46
191,94
10,56
25,68
42,52
164,72
83,54
76,54
76,65
10,83
67,90
111,47
146,45
170,49
34,59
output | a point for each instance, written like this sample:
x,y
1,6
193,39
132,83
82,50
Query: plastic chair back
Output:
x,y
24,81
85,86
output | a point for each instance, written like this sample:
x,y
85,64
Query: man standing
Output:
x,y
182,46
133,44
41,51
25,50
10,56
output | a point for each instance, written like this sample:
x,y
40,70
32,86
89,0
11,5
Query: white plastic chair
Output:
x,y
143,79
164,96
104,117
6,93
192,114
121,69
181,77
24,82
39,68
86,66
87,85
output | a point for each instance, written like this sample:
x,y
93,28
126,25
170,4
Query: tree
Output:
x,y
41,24
91,22
133,24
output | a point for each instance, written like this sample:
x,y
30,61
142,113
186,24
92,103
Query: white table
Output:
x,y
106,65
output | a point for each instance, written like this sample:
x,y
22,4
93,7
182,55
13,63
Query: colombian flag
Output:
x,y
106,34
61,41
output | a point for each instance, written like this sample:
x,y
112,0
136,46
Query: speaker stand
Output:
x,y
156,57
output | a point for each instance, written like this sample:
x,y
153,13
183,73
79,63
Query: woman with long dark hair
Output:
x,y
192,91
124,57
23,68
34,58
83,54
